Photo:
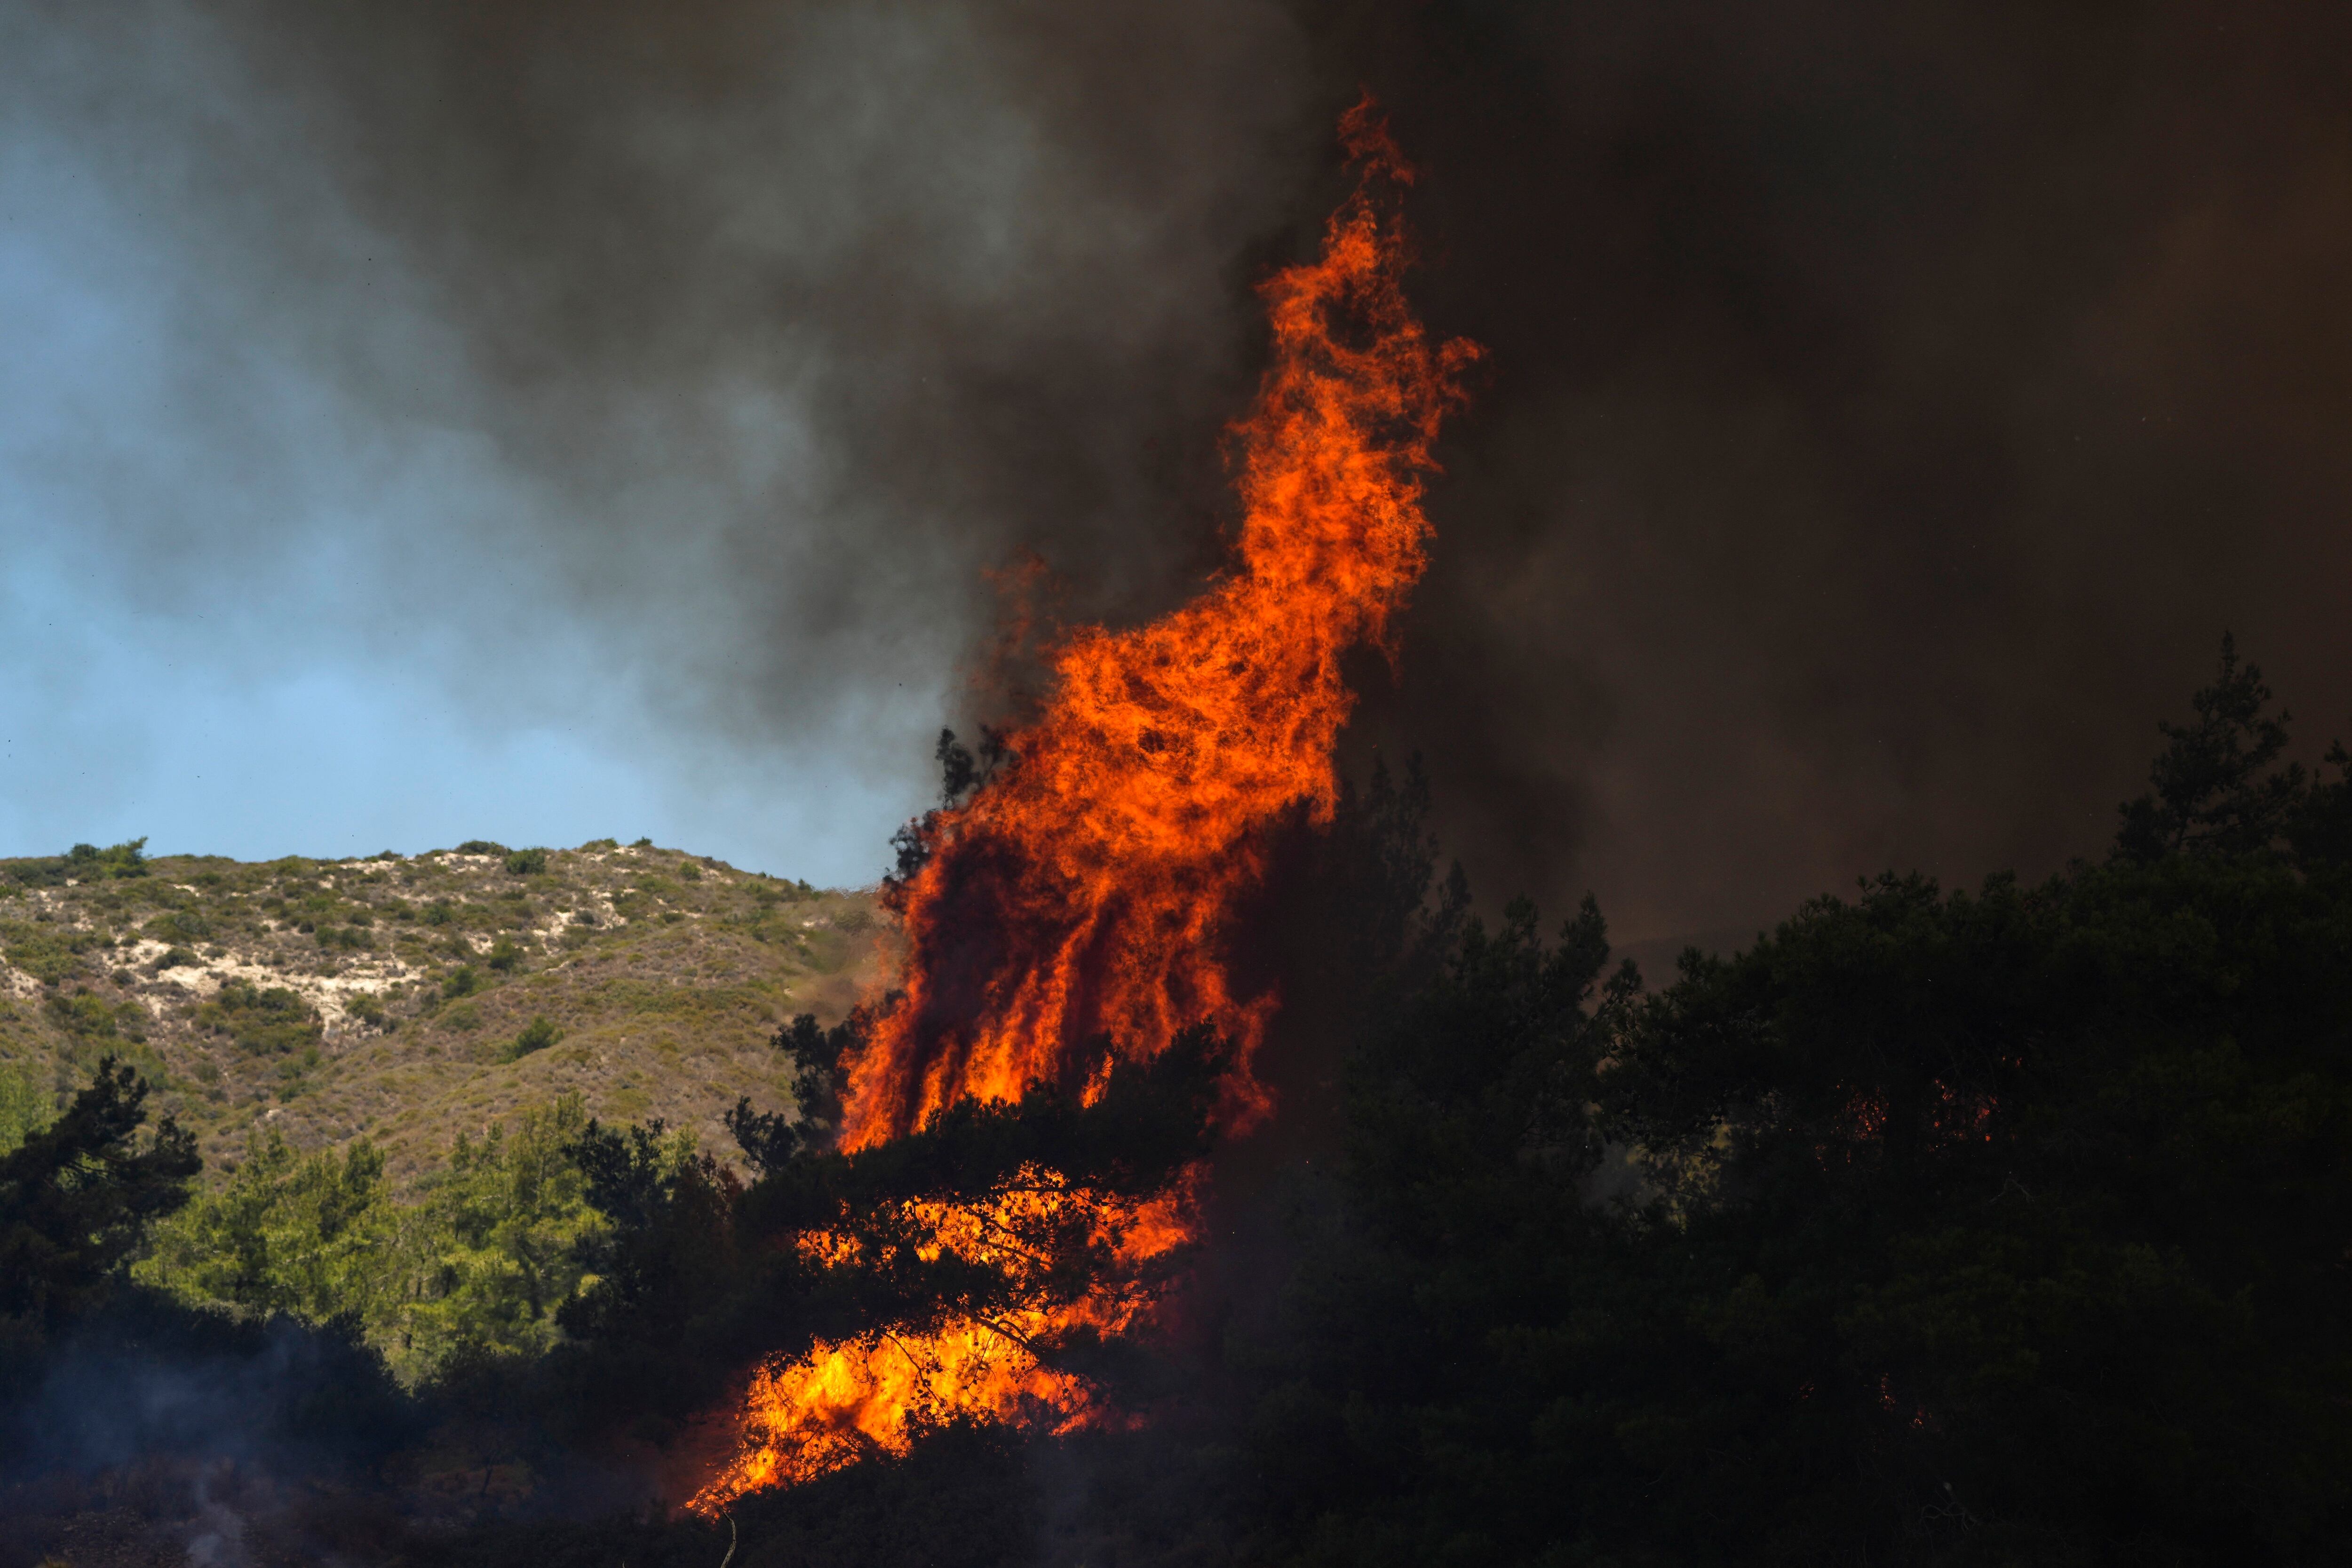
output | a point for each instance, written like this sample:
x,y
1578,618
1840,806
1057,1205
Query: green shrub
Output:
x,y
439,913
527,862
640,843
505,956
481,847
177,958
601,844
82,863
83,1015
689,871
273,1021
461,981
25,1109
179,925
537,1035
366,1006
49,957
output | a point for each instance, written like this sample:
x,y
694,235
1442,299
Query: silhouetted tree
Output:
x,y
76,1198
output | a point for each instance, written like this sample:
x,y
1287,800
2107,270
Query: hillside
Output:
x,y
398,997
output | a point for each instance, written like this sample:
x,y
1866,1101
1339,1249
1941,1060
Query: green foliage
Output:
x,y
43,951
601,844
440,912
479,1262
366,1006
77,1197
179,925
461,981
82,863
640,843
505,956
86,1016
177,958
537,1035
527,862
25,1109
271,1022
306,1235
481,847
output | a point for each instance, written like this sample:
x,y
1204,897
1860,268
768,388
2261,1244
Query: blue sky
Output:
x,y
602,454
245,612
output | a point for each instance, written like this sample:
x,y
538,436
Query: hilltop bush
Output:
x,y
481,847
527,862
83,863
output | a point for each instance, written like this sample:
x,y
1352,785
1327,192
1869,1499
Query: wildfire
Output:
x,y
1084,894
869,1395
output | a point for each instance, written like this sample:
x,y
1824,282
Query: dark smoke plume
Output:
x,y
1892,405
1887,400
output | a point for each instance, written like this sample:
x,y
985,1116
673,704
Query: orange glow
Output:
x,y
866,1396
1085,892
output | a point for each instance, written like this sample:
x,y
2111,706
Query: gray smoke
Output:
x,y
1890,406
676,369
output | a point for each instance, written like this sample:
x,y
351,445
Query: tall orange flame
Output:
x,y
1084,892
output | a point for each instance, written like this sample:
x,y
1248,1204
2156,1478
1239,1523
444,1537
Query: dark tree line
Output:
x,y
2002,1226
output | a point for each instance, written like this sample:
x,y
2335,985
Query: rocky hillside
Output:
x,y
406,999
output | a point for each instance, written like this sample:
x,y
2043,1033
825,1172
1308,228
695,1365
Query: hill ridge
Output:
x,y
397,997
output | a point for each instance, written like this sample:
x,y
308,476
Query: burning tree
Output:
x,y
1001,1199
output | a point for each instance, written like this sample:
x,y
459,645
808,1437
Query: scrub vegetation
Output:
x,y
402,1000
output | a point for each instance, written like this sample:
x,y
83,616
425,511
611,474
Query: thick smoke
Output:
x,y
1893,405
1890,405
610,361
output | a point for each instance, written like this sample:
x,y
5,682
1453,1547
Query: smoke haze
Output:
x,y
600,411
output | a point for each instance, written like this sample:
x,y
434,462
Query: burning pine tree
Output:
x,y
1066,921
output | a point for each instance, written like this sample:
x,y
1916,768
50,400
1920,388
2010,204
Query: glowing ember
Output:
x,y
866,1396
1084,892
